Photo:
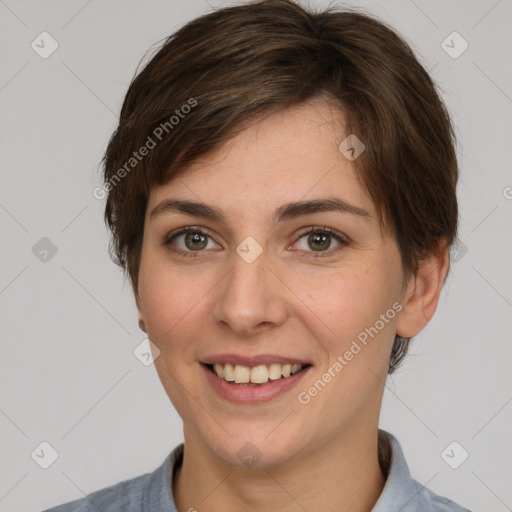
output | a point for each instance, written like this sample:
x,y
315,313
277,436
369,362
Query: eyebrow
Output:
x,y
286,212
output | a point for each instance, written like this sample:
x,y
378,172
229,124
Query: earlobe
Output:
x,y
142,324
423,292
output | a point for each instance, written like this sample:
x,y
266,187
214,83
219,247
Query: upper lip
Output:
x,y
252,361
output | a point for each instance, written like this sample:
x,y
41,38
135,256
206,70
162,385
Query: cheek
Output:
x,y
170,299
172,304
346,302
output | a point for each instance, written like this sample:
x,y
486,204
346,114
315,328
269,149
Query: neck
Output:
x,y
342,474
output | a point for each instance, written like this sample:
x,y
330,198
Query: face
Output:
x,y
263,285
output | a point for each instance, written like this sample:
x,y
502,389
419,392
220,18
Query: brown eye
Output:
x,y
196,241
319,240
187,241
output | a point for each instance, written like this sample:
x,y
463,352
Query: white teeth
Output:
x,y
229,373
217,368
286,370
242,374
274,371
260,374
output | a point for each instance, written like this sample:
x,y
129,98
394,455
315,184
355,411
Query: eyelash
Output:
x,y
343,241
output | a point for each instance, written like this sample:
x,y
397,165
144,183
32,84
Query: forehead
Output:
x,y
289,156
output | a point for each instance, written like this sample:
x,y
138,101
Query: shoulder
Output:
x,y
428,501
123,496
150,492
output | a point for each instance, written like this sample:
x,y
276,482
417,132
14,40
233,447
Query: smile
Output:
x,y
252,379
260,374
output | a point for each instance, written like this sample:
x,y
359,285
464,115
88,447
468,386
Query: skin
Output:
x,y
318,456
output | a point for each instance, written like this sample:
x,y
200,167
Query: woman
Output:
x,y
281,194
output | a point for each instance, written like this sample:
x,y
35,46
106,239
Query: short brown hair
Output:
x,y
240,63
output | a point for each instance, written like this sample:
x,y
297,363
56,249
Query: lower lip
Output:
x,y
252,393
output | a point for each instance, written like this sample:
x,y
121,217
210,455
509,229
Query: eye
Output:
x,y
194,240
320,239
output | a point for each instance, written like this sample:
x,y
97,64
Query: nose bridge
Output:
x,y
250,295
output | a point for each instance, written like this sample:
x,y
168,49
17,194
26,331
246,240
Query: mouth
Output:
x,y
253,379
258,375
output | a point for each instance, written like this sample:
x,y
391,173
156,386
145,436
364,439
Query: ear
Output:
x,y
422,293
142,323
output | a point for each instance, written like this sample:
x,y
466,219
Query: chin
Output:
x,y
261,447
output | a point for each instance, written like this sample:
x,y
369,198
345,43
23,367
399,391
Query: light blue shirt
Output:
x,y
152,492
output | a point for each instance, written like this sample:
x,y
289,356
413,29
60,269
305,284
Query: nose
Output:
x,y
250,299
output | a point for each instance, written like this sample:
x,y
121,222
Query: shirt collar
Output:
x,y
401,492
158,495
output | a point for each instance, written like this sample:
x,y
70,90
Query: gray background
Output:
x,y
68,375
